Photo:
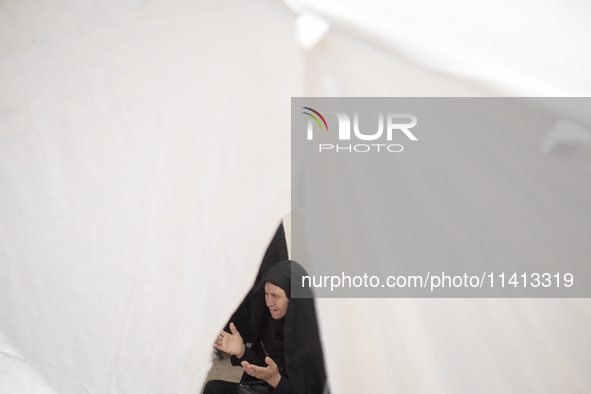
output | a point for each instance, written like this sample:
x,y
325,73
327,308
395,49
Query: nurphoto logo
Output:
x,y
394,123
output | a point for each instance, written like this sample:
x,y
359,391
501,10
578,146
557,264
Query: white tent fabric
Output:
x,y
144,165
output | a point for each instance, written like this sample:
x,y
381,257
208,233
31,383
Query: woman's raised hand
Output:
x,y
230,343
270,373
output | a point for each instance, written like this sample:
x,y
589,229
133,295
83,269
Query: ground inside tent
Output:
x,y
222,369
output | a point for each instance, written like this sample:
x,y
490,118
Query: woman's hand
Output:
x,y
230,343
269,373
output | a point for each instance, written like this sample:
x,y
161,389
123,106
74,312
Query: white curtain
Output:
x,y
145,165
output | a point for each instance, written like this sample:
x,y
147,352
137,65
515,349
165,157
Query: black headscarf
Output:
x,y
301,340
276,252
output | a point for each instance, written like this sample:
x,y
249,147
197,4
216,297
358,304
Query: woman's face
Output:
x,y
276,300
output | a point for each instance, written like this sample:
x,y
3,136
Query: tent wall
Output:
x,y
145,164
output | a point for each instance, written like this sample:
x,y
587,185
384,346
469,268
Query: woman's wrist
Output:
x,y
241,353
274,381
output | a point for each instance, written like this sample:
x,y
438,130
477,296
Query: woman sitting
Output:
x,y
286,356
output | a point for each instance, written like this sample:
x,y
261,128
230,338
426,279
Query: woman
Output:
x,y
286,351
